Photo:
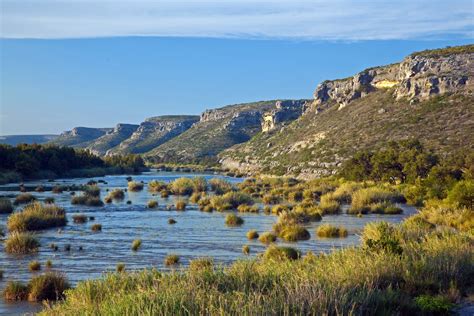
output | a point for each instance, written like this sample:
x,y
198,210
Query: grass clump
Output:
x,y
24,198
233,220
15,291
37,216
96,227
157,186
385,208
364,198
34,265
182,186
180,205
116,194
201,264
120,267
245,208
171,221
294,233
134,186
49,264
21,243
434,305
330,231
267,237
87,200
171,260
49,286
252,234
220,186
136,244
79,218
230,200
152,204
246,249
329,204
281,253
6,206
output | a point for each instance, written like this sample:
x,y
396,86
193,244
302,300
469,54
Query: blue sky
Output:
x,y
97,63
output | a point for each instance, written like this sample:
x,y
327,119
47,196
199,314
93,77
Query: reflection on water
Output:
x,y
196,234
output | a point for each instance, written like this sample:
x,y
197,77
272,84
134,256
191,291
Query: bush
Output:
x,y
21,243
180,205
199,184
381,236
135,186
96,227
136,244
363,198
294,233
437,305
330,231
279,208
182,186
233,220
252,234
152,204
79,218
34,265
171,260
24,198
462,194
220,186
15,291
116,194
230,200
157,186
49,286
37,216
267,237
329,205
281,253
57,189
6,206
271,199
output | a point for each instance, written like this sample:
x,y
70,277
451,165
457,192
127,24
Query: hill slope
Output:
x,y
429,96
80,136
14,140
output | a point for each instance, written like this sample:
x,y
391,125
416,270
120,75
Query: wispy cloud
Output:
x,y
329,19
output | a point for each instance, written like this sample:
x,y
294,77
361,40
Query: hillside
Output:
x,y
80,136
429,96
153,132
14,140
217,130
112,138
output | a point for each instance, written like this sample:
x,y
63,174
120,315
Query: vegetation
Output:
x,y
96,228
117,194
136,244
267,237
330,231
246,249
294,233
171,221
6,206
79,218
369,199
152,204
120,267
281,253
49,286
24,198
135,186
37,216
171,260
182,186
34,265
157,186
180,205
21,243
233,220
15,291
252,234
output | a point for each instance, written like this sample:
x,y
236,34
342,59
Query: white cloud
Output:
x,y
329,19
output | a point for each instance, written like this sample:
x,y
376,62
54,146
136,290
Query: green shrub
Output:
x,y
49,286
267,237
182,186
24,198
271,199
279,208
136,244
171,260
384,208
152,204
462,194
381,236
15,291
252,234
21,243
233,220
330,231
79,218
34,265
196,196
438,305
164,193
230,200
6,206
281,253
37,216
135,186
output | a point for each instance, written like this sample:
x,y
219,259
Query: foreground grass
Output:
x,y
365,280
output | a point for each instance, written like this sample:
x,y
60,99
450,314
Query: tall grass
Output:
x,y
363,199
135,186
21,243
37,216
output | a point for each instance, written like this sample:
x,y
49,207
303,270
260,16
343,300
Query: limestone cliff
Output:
x,y
112,138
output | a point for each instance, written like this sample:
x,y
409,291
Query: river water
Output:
x,y
196,234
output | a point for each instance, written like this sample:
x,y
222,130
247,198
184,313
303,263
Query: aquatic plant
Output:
x,y
330,231
171,259
281,253
233,220
21,243
362,199
6,206
294,233
136,244
96,227
49,286
171,221
329,204
49,264
37,216
120,267
152,204
252,234
246,249
157,186
24,198
267,237
180,205
79,218
15,291
116,194
135,186
182,186
34,265
220,186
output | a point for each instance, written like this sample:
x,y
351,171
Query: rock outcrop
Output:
x,y
285,111
153,132
417,77
112,138
80,136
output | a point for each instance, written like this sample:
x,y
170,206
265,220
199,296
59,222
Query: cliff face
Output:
x,y
417,78
80,136
112,138
285,111
153,132
428,96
